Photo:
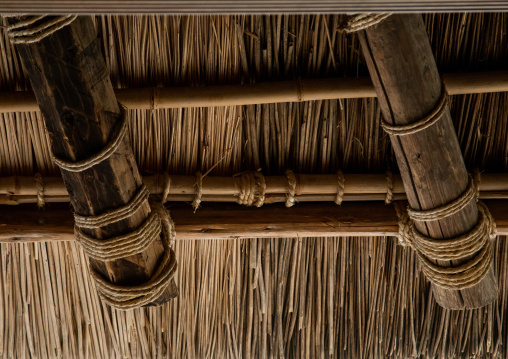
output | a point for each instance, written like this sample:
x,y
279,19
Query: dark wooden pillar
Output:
x,y
72,86
408,87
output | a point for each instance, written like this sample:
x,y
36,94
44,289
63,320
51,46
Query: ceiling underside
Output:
x,y
347,297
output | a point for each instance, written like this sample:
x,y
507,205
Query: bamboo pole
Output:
x,y
310,188
265,92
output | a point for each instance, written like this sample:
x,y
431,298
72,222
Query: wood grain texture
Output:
x,y
408,86
27,223
72,86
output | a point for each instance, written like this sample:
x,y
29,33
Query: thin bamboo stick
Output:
x,y
310,188
265,92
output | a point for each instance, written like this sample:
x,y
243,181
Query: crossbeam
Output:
x,y
26,224
265,92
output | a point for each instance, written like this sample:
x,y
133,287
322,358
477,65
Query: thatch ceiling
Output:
x,y
347,297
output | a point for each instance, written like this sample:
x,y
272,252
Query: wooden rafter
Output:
x,y
72,86
405,75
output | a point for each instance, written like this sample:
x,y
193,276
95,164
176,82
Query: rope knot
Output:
x,y
474,247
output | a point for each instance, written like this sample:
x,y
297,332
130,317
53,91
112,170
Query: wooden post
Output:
x,y
408,87
72,86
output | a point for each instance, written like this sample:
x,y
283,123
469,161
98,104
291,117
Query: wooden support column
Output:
x,y
408,86
72,86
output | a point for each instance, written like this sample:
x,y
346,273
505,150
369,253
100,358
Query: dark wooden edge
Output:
x,y
26,223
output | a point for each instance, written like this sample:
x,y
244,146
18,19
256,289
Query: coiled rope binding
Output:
x,y
118,135
252,189
361,22
425,122
128,244
36,28
475,244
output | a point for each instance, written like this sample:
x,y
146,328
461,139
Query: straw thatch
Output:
x,y
302,297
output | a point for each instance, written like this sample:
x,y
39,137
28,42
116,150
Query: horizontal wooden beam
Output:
x,y
226,221
265,92
245,6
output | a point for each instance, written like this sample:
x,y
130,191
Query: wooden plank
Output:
x,y
27,223
405,75
245,6
72,86
265,92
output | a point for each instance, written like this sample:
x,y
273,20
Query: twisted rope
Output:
x,y
122,246
40,190
448,209
261,188
105,153
362,22
290,201
340,188
134,242
128,297
167,186
389,187
116,215
475,243
425,122
22,32
199,191
252,189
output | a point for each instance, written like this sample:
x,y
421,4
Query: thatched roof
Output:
x,y
304,297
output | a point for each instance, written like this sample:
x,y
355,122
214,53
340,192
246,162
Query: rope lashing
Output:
x,y
134,242
476,243
389,187
121,246
199,191
128,244
36,28
116,215
362,22
167,186
112,146
252,189
261,186
425,122
340,188
448,209
290,200
128,297
39,182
